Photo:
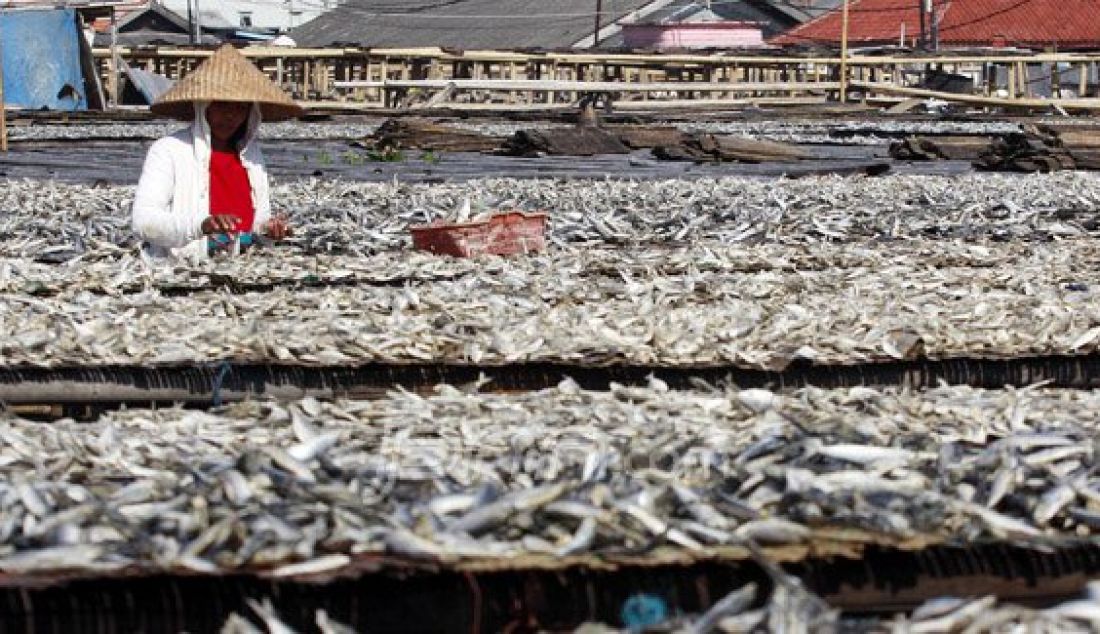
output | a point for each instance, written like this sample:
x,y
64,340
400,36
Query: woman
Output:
x,y
205,188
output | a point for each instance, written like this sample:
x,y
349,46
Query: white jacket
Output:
x,y
173,195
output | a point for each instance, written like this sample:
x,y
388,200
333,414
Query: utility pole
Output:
x,y
198,24
596,32
844,54
190,23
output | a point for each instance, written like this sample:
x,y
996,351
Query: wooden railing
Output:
x,y
352,77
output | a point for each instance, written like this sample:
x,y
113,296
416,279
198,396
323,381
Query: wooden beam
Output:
x,y
608,58
844,54
1023,102
688,104
3,108
116,61
588,86
671,104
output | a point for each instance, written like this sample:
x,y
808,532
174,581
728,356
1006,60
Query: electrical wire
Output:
x,y
614,11
420,11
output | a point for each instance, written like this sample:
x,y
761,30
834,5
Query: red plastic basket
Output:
x,y
502,234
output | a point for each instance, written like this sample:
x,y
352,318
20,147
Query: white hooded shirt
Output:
x,y
173,194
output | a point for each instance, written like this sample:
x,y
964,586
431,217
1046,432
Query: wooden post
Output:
x,y
3,107
844,54
1083,80
923,27
115,60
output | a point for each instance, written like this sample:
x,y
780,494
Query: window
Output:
x,y
246,18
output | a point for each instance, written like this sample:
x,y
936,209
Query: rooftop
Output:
x,y
466,24
1036,24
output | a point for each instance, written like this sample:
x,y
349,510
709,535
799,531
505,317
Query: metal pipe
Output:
x,y
198,24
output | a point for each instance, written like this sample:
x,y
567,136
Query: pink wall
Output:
x,y
693,35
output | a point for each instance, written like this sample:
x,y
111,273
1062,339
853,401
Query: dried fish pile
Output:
x,y
718,273
256,270
550,476
986,614
789,608
127,272
293,131
59,222
551,308
847,131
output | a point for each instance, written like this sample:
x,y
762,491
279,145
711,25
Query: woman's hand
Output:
x,y
277,228
219,224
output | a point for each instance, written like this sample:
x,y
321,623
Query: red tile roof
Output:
x,y
1067,24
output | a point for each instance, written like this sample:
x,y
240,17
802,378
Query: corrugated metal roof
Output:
x,y
466,24
153,38
1067,24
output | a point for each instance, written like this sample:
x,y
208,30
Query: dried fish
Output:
x,y
465,474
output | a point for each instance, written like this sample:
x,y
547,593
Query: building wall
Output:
x,y
264,14
692,35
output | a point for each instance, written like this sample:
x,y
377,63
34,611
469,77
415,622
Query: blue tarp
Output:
x,y
41,52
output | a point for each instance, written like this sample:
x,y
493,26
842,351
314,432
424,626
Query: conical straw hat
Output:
x,y
226,76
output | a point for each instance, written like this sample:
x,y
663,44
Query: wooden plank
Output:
x,y
844,54
628,58
609,58
3,111
905,106
116,61
622,106
439,98
1023,102
589,86
688,104
271,52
